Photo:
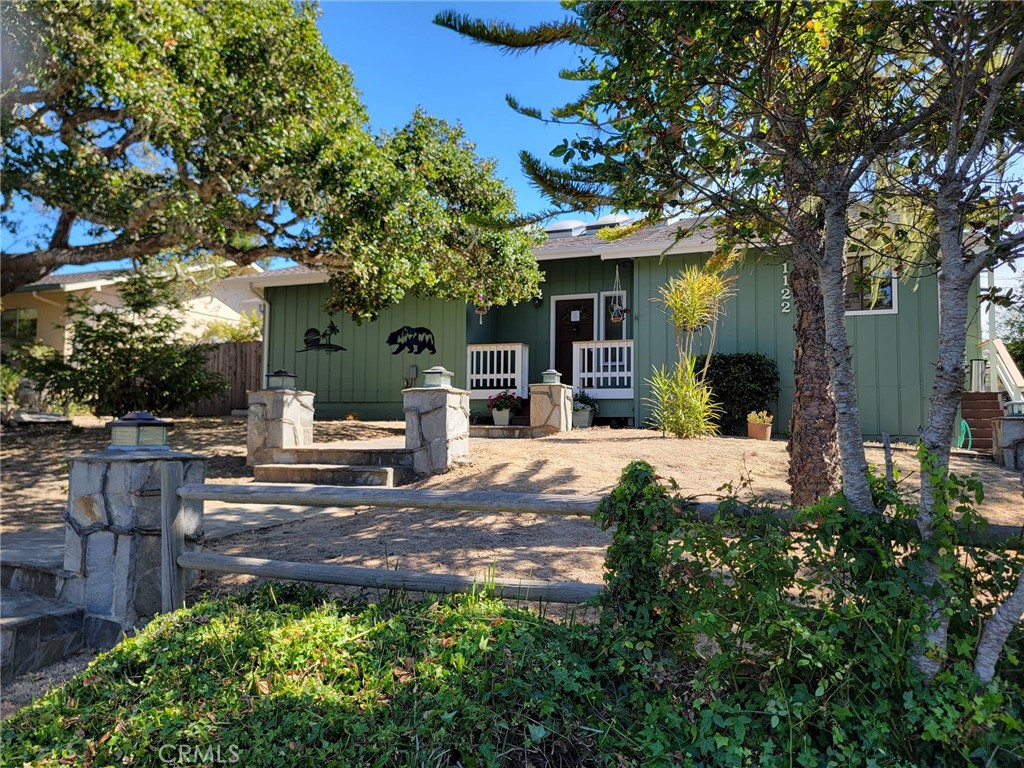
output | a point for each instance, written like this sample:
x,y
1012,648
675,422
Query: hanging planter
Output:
x,y
481,308
616,312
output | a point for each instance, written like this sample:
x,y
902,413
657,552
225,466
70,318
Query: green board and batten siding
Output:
x,y
366,379
894,354
524,323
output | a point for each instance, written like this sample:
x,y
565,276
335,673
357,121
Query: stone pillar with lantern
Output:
x,y
436,422
280,416
551,403
112,546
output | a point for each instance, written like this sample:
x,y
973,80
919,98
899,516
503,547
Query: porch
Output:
x,y
605,369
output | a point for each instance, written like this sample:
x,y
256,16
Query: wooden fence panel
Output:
x,y
239,362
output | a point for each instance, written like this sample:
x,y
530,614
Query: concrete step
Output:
x,y
362,457
36,632
334,474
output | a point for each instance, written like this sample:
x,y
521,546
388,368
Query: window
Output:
x,y
18,326
611,330
869,291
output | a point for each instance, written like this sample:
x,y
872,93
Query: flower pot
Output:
x,y
582,419
759,431
501,417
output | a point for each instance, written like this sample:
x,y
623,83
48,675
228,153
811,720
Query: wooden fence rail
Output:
x,y
175,558
413,581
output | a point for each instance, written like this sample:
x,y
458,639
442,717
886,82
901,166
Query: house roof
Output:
x,y
96,278
297,275
650,241
75,281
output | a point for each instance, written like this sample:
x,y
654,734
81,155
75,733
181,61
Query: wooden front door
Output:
x,y
574,321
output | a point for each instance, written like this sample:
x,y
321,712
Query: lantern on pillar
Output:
x,y
138,430
281,379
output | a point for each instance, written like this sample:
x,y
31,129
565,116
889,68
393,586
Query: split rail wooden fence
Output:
x,y
175,560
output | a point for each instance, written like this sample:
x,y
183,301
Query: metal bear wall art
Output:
x,y
414,340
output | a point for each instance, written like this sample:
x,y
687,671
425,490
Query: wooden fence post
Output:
x,y
172,538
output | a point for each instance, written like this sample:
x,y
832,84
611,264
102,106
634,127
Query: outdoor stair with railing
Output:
x,y
978,409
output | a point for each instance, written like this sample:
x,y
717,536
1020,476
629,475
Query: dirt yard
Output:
x,y
34,489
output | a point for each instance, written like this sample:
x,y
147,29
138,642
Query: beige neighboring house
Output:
x,y
39,311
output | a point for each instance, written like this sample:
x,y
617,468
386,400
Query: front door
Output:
x,y
574,321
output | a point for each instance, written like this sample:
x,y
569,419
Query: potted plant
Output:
x,y
759,425
583,409
502,406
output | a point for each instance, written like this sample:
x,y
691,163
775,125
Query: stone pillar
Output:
x,y
278,418
551,404
1008,441
436,423
112,536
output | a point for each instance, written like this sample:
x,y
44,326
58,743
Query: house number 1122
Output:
x,y
785,292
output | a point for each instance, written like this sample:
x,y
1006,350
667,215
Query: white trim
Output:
x,y
268,279
552,343
265,347
894,310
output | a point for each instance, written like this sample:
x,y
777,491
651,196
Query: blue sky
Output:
x,y
401,60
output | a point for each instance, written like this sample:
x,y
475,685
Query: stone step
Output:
x,y
334,474
32,578
36,632
362,457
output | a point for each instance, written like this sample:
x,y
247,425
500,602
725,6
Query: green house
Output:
x,y
599,324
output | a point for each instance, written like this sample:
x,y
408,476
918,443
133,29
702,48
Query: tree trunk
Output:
x,y
996,630
813,446
955,281
832,271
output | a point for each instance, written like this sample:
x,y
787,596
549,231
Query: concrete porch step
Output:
x,y
36,632
362,457
334,474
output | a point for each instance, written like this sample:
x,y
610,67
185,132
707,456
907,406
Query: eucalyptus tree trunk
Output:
x,y
832,274
813,447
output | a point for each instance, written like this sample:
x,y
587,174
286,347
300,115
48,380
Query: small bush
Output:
x,y
681,405
741,383
9,379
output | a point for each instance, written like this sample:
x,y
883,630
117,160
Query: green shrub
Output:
x,y
681,405
794,648
9,380
128,358
741,383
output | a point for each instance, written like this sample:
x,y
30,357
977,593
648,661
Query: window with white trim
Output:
x,y
611,330
869,289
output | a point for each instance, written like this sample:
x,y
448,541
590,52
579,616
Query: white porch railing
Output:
x,y
494,368
603,368
1003,373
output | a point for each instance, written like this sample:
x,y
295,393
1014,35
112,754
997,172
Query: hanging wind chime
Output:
x,y
616,311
